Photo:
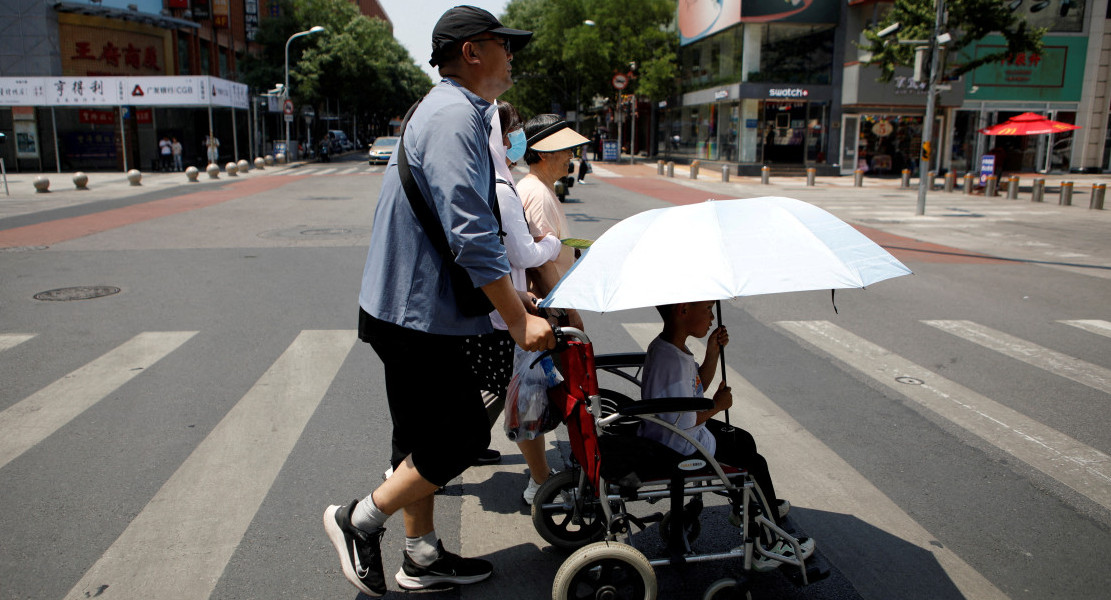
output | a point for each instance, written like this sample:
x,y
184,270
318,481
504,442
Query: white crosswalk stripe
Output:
x,y
1086,373
1094,326
1076,465
11,340
178,542
32,420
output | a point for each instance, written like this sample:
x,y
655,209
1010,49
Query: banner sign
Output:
x,y
250,19
118,91
220,12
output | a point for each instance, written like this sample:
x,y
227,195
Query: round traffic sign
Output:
x,y
287,108
620,81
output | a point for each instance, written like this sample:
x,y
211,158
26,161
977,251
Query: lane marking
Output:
x,y
325,171
1092,326
1063,365
821,478
35,418
11,340
183,539
1080,467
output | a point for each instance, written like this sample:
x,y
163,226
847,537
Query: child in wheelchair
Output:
x,y
671,371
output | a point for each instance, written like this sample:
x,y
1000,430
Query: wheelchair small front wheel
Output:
x,y
728,589
563,517
605,570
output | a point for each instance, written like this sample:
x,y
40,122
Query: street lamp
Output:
x,y
285,90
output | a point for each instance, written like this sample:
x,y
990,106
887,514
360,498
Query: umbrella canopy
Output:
x,y
721,249
1028,124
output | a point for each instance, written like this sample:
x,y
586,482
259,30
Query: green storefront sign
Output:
x,y
1055,74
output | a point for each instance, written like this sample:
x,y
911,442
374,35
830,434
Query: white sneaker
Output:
x,y
530,491
763,564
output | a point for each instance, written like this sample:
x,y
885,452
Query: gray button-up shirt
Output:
x,y
405,281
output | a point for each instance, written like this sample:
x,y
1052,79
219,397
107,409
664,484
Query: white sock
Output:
x,y
424,550
367,515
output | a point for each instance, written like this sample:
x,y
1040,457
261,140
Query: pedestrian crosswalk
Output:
x,y
320,169
177,542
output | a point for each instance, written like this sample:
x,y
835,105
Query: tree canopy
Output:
x,y
355,62
968,21
569,62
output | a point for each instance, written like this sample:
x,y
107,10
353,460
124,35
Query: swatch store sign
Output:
x,y
789,93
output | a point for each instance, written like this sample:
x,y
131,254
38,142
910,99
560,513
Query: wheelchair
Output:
x,y
585,509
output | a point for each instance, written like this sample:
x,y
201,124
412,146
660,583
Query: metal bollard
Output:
x,y
725,173
1098,191
931,177
1066,194
968,179
694,168
989,186
950,181
670,169
858,178
765,174
1037,194
810,174
659,167
905,183
1012,188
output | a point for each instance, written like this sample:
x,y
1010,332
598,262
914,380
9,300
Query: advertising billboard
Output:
x,y
700,18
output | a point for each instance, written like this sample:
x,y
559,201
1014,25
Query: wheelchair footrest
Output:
x,y
816,570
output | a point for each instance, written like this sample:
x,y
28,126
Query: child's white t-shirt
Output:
x,y
671,372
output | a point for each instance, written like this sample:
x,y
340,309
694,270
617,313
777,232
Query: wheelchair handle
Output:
x,y
561,335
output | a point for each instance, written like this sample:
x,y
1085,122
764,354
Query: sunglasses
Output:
x,y
503,41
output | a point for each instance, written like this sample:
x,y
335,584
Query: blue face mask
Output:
x,y
517,145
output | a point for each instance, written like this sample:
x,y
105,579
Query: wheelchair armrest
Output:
x,y
614,361
664,405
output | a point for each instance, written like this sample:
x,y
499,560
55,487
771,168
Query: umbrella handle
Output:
x,y
721,359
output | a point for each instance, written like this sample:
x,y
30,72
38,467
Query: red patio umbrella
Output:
x,y
1028,124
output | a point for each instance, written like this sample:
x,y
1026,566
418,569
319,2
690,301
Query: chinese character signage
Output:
x,y
122,91
220,12
250,18
1053,75
99,51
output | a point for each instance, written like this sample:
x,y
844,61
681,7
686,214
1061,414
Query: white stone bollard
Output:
x,y
232,169
192,173
213,170
135,177
260,163
81,180
269,160
42,184
243,165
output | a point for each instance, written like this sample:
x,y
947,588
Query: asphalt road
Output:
x,y
942,435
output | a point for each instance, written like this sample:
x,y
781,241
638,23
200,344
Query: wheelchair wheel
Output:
x,y
605,570
728,589
565,521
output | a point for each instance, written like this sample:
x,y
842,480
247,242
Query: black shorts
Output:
x,y
437,411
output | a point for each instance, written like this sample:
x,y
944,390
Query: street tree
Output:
x,y
356,64
966,21
579,45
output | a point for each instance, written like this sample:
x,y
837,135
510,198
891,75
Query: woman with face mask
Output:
x,y
494,352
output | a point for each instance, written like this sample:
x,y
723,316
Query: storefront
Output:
x,y
759,80
1048,83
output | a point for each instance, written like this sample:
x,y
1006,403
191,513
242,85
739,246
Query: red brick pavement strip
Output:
x,y
61,230
903,248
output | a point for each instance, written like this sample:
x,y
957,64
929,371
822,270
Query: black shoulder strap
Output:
x,y
428,220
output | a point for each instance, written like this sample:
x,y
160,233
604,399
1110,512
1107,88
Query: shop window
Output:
x,y
183,66
793,54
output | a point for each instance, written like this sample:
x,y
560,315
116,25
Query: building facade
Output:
x,y
785,84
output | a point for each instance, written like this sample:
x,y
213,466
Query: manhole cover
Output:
x,y
324,232
80,292
909,380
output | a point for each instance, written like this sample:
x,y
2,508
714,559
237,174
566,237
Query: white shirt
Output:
x,y
523,252
671,372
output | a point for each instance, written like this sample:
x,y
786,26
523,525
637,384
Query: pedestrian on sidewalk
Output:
x,y
212,143
410,316
584,168
165,152
175,148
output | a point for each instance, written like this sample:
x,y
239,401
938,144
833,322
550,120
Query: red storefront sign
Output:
x,y
96,117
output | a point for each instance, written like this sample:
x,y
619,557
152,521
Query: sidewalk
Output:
x,y
1072,238
22,198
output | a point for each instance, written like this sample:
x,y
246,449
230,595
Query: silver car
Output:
x,y
382,149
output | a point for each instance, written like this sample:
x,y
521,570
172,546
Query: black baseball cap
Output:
x,y
462,22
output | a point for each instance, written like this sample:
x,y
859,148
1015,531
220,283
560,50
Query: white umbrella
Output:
x,y
721,249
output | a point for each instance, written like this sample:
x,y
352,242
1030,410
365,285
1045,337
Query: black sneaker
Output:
x,y
449,568
360,552
488,456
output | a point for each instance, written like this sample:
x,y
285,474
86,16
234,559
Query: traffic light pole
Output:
x,y
927,153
